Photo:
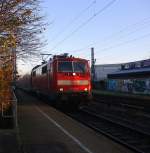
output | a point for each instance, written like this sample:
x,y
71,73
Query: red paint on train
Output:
x,y
63,76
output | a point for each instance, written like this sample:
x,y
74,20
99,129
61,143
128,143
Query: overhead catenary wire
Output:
x,y
116,34
112,54
126,42
99,60
83,24
120,44
73,20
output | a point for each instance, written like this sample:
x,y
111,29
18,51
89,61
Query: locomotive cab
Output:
x,y
73,78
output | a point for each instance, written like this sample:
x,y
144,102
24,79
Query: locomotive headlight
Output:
x,y
85,89
61,89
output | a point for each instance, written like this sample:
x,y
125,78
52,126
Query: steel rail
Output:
x,y
115,119
135,140
126,102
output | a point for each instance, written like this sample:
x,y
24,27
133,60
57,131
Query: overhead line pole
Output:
x,y
92,64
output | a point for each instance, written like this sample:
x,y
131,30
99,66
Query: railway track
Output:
x,y
134,119
126,102
134,112
134,139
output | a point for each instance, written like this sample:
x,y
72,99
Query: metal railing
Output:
x,y
13,107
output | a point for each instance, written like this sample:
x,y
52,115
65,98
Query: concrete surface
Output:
x,y
43,129
8,141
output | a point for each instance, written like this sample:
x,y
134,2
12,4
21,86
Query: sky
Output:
x,y
119,30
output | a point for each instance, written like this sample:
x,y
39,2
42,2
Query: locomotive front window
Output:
x,y
65,67
79,67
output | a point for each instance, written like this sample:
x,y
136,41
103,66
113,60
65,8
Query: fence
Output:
x,y
9,108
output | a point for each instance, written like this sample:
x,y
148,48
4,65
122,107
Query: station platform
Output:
x,y
8,141
43,129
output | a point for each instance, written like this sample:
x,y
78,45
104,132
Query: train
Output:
x,y
63,79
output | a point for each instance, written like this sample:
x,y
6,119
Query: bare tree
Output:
x,y
21,21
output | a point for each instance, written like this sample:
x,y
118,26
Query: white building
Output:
x,y
101,71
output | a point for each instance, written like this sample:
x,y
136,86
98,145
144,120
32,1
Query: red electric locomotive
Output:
x,y
63,78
